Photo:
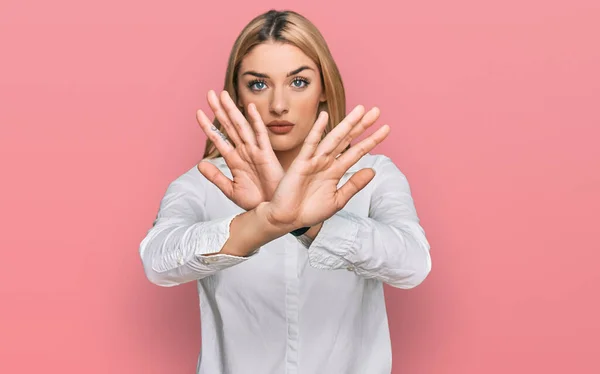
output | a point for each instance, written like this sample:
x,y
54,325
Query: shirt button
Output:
x,y
350,268
180,261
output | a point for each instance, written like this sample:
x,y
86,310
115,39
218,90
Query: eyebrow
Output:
x,y
293,72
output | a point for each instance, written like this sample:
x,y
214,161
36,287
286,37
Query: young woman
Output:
x,y
288,230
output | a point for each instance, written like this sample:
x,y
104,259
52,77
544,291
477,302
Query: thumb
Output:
x,y
216,177
356,183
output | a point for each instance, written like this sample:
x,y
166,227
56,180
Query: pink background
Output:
x,y
494,110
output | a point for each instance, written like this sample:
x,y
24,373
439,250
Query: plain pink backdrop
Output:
x,y
494,110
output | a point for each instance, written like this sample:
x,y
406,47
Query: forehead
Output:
x,y
275,59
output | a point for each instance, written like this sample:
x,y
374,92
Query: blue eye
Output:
x,y
301,81
260,85
256,85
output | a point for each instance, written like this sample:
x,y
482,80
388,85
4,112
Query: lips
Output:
x,y
280,127
279,123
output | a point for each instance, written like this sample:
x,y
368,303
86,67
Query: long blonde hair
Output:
x,y
286,27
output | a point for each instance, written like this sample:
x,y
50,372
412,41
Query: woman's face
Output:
x,y
285,85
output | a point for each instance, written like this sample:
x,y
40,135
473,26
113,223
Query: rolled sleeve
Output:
x,y
389,244
335,243
181,246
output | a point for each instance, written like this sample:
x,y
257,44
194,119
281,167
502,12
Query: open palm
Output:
x,y
255,169
308,192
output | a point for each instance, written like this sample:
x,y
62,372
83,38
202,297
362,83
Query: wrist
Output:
x,y
249,231
300,231
264,210
265,218
314,231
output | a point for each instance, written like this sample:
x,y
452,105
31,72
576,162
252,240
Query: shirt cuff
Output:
x,y
222,261
192,246
216,241
335,242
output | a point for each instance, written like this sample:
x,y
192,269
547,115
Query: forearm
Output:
x,y
177,251
314,231
395,254
308,237
251,230
387,244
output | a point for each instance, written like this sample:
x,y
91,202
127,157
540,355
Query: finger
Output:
x,y
335,136
357,151
262,136
237,118
365,122
314,137
221,114
217,137
216,176
357,182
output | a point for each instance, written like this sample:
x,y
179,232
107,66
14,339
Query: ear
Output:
x,y
323,97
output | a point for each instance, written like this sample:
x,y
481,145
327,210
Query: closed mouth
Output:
x,y
280,124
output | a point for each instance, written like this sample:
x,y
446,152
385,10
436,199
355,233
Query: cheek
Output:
x,y
308,100
263,109
308,107
261,105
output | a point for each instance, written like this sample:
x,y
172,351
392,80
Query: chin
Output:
x,y
282,145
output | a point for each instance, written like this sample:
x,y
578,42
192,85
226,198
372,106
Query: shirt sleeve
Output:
x,y
388,245
174,249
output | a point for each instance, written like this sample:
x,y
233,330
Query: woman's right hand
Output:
x,y
255,169
308,194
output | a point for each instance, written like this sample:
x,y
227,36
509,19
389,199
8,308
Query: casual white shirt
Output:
x,y
293,306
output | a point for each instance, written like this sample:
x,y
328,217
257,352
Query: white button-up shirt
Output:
x,y
295,305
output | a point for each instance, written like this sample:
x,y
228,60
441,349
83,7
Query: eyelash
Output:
x,y
254,81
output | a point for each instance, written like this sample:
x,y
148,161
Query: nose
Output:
x,y
279,103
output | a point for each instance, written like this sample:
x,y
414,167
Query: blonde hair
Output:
x,y
286,27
